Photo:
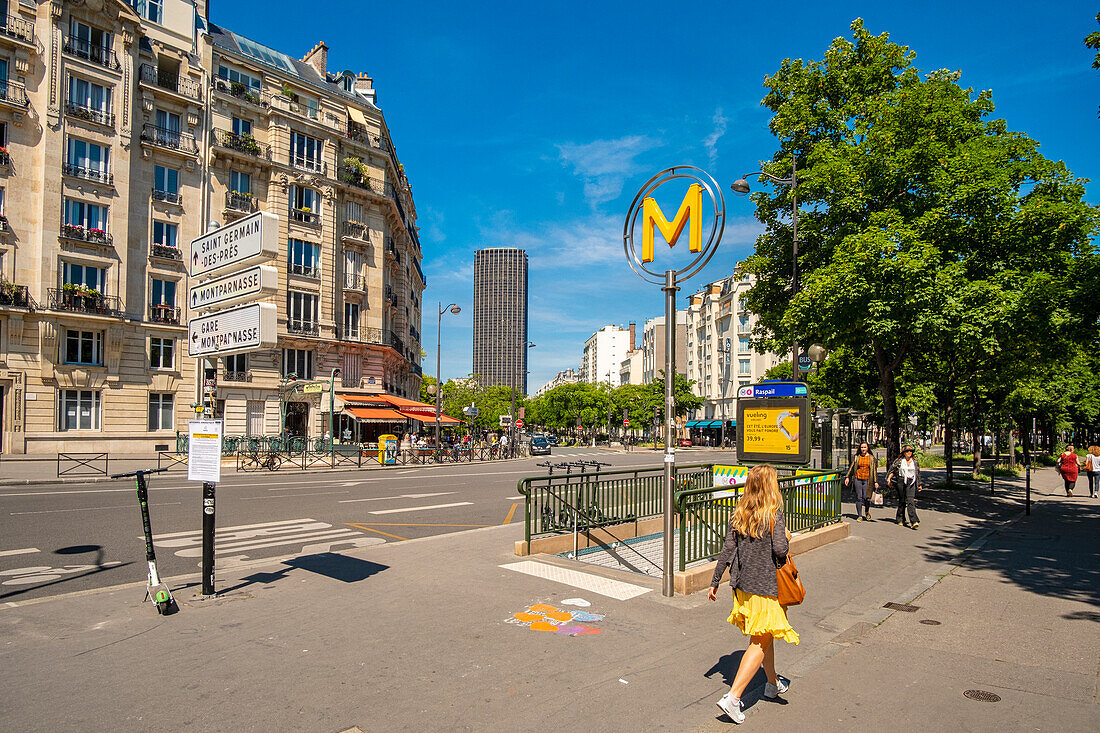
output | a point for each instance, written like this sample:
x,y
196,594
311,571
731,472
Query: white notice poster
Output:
x,y
204,450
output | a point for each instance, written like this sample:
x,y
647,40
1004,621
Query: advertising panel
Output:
x,y
774,429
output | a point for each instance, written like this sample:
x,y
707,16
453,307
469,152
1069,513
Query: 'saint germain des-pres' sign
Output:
x,y
248,241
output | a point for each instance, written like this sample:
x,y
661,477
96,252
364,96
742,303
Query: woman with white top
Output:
x,y
904,476
1092,470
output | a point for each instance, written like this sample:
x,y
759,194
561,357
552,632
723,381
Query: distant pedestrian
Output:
x,y
1067,467
758,541
863,470
1092,470
904,476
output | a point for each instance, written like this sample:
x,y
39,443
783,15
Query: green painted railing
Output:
x,y
557,504
809,501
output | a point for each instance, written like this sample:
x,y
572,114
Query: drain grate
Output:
x,y
982,696
901,607
929,622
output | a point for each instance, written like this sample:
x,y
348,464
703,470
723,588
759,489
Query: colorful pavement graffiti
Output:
x,y
544,617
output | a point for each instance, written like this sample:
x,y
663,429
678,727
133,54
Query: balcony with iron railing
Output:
x,y
391,297
14,93
241,91
305,216
5,160
242,202
391,247
168,197
311,271
306,163
164,313
287,104
170,81
17,28
16,296
4,226
166,137
414,334
165,251
76,170
89,114
242,144
416,369
349,333
303,328
395,342
356,230
245,376
86,234
88,51
76,299
355,282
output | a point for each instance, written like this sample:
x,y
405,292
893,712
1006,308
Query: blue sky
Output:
x,y
533,124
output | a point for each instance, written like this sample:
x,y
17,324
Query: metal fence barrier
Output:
x,y
810,501
581,501
83,464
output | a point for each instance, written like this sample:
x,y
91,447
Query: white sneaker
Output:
x,y
731,706
773,691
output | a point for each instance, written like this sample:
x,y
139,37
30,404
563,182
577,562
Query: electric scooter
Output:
x,y
157,592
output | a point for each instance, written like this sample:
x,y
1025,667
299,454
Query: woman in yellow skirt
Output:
x,y
758,540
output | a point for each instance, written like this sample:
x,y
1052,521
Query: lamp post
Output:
x,y
332,417
741,186
454,310
512,422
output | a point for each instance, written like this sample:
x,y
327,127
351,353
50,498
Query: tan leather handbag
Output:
x,y
791,590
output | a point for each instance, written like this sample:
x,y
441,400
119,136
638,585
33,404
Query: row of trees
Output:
x,y
596,407
946,264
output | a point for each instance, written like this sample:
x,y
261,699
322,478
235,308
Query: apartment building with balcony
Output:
x,y
654,347
123,133
720,357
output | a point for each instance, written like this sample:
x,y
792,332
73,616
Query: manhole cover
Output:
x,y
982,696
901,607
929,622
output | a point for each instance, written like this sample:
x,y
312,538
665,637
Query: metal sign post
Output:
x,y
690,216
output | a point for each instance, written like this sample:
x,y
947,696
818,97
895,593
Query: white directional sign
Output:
x,y
240,287
233,331
247,241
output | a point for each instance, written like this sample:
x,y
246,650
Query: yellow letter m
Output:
x,y
691,209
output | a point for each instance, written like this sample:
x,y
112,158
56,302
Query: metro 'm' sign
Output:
x,y
690,211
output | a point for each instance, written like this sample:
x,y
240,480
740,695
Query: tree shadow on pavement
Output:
x,y
329,564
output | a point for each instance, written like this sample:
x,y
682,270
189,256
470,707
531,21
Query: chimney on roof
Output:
x,y
633,345
318,59
365,85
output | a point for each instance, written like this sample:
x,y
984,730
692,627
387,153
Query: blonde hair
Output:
x,y
759,503
1095,450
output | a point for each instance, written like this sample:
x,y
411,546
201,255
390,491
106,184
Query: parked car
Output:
x,y
685,442
552,439
540,446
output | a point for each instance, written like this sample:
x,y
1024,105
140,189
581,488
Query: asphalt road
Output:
x,y
69,537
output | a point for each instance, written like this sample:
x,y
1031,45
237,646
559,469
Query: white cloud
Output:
x,y
711,140
604,165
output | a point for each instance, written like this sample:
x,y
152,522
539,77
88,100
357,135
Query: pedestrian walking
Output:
x,y
1092,470
904,476
1067,467
757,543
863,470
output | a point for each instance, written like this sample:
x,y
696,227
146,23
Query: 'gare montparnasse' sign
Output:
x,y
246,241
232,331
238,287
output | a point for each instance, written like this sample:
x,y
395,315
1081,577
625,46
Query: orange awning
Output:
x,y
430,417
375,414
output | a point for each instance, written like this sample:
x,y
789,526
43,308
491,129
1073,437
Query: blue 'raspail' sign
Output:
x,y
773,389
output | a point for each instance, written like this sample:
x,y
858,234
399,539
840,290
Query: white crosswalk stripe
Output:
x,y
313,535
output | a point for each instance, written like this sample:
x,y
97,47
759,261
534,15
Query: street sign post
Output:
x,y
240,287
233,331
248,241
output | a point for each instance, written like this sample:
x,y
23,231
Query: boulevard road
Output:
x,y
62,538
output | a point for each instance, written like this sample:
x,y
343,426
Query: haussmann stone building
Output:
x,y
125,132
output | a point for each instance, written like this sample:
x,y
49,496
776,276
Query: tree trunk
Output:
x,y
888,389
948,428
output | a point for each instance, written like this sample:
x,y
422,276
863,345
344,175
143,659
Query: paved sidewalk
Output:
x,y
422,636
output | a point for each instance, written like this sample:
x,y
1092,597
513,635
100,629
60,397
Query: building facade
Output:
x,y
568,376
720,354
603,354
654,347
500,317
125,134
630,371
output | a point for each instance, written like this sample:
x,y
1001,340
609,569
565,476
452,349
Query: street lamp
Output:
x,y
741,186
512,422
454,310
332,416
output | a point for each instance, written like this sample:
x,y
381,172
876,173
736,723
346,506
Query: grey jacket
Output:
x,y
752,560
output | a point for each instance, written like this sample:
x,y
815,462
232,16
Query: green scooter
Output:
x,y
157,592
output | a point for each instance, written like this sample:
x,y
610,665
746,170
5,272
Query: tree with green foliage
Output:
x,y
922,218
1092,40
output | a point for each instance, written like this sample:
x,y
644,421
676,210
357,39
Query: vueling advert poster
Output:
x,y
772,430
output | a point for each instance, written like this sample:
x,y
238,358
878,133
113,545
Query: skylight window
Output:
x,y
263,53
